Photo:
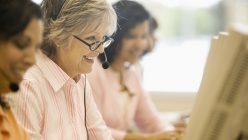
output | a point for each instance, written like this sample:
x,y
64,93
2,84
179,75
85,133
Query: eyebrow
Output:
x,y
93,37
22,39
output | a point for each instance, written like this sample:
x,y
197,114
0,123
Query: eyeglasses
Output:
x,y
105,43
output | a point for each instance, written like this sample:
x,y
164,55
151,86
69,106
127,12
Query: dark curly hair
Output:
x,y
129,14
14,18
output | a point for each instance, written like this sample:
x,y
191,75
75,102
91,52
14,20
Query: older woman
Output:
x,y
119,94
55,102
21,29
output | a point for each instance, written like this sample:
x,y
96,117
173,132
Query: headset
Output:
x,y
85,107
105,64
13,86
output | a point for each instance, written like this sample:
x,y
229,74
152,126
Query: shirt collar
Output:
x,y
52,72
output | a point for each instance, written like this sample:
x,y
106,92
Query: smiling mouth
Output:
x,y
88,59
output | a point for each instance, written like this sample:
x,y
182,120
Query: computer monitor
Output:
x,y
221,108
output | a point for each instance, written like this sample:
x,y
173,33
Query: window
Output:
x,y
184,35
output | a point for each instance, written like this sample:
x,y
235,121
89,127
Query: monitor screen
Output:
x,y
221,108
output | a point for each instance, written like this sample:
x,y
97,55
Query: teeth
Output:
x,y
89,57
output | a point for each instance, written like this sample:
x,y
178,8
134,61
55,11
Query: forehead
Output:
x,y
34,29
98,33
98,27
141,27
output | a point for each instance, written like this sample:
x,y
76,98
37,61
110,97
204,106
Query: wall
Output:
x,y
173,101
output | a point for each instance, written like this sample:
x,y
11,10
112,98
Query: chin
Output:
x,y
17,80
13,77
86,71
134,61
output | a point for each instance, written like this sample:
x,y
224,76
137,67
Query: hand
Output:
x,y
180,126
157,136
181,123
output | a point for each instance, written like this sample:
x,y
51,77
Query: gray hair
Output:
x,y
75,16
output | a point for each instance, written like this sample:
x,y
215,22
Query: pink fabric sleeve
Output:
x,y
97,87
28,109
96,126
147,117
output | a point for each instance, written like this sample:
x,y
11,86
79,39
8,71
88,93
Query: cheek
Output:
x,y
13,58
11,62
77,48
129,55
80,65
75,60
134,48
134,52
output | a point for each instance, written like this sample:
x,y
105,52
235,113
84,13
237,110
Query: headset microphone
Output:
x,y
105,64
14,87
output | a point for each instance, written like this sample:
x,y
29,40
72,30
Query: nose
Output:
x,y
29,57
141,43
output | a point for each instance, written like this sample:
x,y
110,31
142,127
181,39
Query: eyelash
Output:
x,y
91,39
22,42
21,46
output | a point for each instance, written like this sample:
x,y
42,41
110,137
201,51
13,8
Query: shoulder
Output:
x,y
33,82
16,132
133,81
34,74
131,73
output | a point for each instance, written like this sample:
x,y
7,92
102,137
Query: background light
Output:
x,y
37,1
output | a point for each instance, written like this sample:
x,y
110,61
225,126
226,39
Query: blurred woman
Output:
x,y
21,29
119,95
151,37
55,102
151,42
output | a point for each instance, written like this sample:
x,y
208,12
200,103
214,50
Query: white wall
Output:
x,y
173,101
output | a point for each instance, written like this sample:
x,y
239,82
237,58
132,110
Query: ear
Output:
x,y
64,40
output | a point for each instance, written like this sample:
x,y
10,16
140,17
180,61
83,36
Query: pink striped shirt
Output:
x,y
51,105
109,100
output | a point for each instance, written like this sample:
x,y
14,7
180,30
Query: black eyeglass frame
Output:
x,y
94,46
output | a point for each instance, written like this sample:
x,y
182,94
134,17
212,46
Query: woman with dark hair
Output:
x,y
151,38
151,42
119,95
21,30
